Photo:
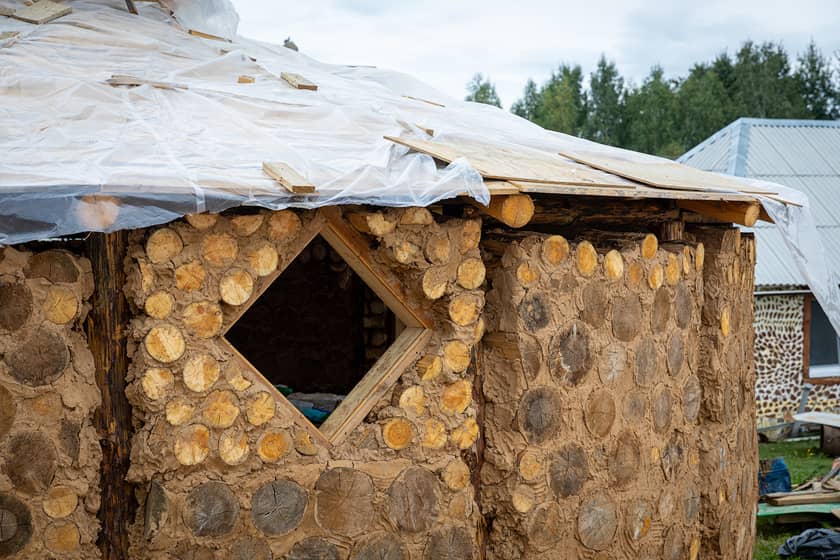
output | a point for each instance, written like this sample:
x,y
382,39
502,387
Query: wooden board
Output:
x,y
638,191
665,174
288,177
806,498
42,12
514,163
298,82
132,81
204,35
375,383
823,418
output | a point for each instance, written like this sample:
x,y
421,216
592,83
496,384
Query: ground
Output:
x,y
805,461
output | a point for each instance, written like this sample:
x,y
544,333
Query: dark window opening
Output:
x,y
316,331
824,342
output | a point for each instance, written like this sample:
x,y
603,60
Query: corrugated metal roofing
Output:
x,y
800,154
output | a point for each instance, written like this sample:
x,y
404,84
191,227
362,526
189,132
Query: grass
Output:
x,y
804,461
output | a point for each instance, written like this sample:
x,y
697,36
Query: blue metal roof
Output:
x,y
800,154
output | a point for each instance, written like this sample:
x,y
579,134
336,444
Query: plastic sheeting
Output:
x,y
79,154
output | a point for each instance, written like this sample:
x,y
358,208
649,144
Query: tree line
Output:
x,y
668,116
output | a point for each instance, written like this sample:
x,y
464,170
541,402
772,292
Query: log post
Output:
x,y
105,326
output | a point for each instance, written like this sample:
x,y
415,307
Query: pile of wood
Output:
x,y
825,490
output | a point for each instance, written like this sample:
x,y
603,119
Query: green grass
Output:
x,y
804,461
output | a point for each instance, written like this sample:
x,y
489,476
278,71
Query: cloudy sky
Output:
x,y
444,42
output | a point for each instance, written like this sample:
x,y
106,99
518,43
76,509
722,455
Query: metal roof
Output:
x,y
800,154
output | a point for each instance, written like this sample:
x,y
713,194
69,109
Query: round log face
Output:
x,y
159,305
450,543
60,502
163,245
599,413
587,258
40,359
568,353
192,445
647,363
278,507
675,356
555,249
56,266
15,305
314,548
471,273
597,522
568,470
635,406
61,537
190,277
380,546
248,225
250,548
219,249
545,526
661,408
414,500
661,310
470,236
211,510
595,304
672,547
31,462
539,414
344,501
165,343
202,221
456,397
638,519
626,317
625,460
283,225
236,287
692,395
156,510
613,364
683,306
614,265
534,312
263,259
15,525
203,319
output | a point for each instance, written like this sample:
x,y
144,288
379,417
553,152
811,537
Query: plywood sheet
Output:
x,y
42,12
664,174
506,162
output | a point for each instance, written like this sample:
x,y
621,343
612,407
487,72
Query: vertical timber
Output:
x,y
105,328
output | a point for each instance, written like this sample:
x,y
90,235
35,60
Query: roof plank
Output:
x,y
42,12
288,177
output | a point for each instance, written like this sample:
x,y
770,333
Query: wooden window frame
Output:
x,y
355,250
806,358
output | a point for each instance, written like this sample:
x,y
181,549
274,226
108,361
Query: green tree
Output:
x,y
605,104
482,90
763,84
560,102
651,117
703,105
814,78
526,106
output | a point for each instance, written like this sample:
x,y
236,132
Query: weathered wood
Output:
x,y
534,311
190,276
429,367
456,475
278,507
220,409
626,317
179,411
683,306
675,354
672,230
414,500
545,526
380,546
157,382
743,213
434,434
531,465
304,444
165,343
262,259
283,225
471,274
159,305
15,305
434,282
568,470
314,548
673,546
554,250
163,244
599,414
68,438
202,221
250,548
233,447
635,406
625,460
639,518
156,510
595,304
40,359
61,537
449,543
466,434
247,225
456,397
514,210
201,372
290,179
699,257
597,522
438,248
539,414
692,394
568,354
55,265
527,273
298,82
413,400
464,309
192,445
613,364
344,501
31,462
274,445
470,236
661,310
211,510
416,216
219,249
15,525
8,411
647,363
260,409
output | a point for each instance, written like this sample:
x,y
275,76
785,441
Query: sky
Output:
x,y
445,42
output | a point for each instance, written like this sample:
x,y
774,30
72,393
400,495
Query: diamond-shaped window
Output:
x,y
330,332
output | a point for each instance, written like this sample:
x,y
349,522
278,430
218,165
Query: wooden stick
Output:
x,y
288,177
743,213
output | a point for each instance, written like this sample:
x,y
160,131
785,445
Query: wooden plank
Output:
x,y
795,498
8,34
355,250
245,79
298,82
637,191
665,174
373,386
42,12
743,213
514,163
822,418
106,326
8,12
133,81
204,35
288,177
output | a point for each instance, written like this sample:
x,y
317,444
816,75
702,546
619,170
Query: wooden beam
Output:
x,y
204,35
293,181
352,410
354,249
298,82
106,325
513,210
743,213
